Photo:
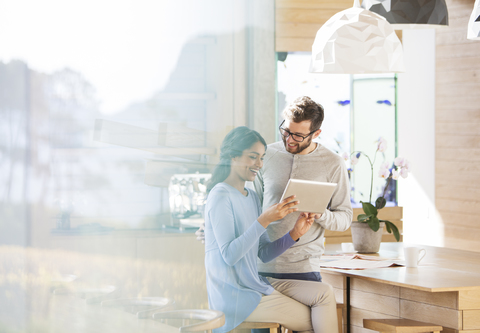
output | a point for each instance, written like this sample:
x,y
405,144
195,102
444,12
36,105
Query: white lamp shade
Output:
x,y
356,41
474,22
410,14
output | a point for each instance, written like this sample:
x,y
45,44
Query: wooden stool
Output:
x,y
247,325
276,328
340,308
400,325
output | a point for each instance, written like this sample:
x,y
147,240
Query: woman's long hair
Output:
x,y
236,141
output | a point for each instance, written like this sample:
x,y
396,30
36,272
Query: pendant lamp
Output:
x,y
356,41
474,22
409,14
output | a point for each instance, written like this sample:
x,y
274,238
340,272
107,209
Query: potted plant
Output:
x,y
367,230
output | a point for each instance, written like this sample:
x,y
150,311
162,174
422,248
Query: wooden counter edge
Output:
x,y
397,284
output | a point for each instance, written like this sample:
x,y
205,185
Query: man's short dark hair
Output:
x,y
304,108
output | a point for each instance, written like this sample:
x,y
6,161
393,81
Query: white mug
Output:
x,y
412,256
348,247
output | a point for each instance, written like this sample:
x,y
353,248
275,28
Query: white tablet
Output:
x,y
313,196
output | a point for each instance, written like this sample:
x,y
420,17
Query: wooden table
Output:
x,y
444,289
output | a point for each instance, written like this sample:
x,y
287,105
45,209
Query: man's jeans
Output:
x,y
310,276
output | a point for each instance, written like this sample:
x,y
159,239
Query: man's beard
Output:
x,y
301,146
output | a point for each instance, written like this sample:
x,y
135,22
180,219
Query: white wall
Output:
x,y
416,138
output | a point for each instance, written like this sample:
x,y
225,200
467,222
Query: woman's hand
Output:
x,y
303,224
278,211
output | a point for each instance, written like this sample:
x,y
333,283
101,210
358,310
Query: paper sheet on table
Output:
x,y
358,262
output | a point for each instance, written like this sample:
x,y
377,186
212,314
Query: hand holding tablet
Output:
x,y
313,196
278,211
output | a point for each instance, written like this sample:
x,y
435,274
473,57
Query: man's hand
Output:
x,y
200,233
303,224
317,216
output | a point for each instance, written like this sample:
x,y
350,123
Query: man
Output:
x,y
300,158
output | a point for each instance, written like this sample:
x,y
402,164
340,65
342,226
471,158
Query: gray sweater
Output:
x,y
320,165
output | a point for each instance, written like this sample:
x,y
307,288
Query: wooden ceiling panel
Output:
x,y
297,22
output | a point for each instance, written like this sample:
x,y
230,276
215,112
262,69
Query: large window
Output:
x,y
373,116
111,117
97,118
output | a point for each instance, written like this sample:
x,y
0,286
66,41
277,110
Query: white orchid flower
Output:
x,y
345,156
354,160
399,161
395,174
381,139
404,173
384,166
402,163
382,145
384,173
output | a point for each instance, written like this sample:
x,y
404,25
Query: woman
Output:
x,y
235,235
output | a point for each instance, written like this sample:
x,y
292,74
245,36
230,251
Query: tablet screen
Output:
x,y
313,196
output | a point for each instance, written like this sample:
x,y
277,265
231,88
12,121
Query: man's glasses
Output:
x,y
296,137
